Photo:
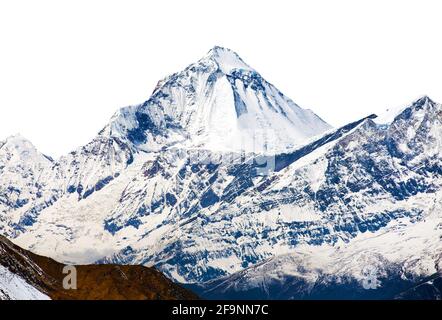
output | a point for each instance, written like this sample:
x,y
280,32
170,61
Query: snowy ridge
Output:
x,y
13,287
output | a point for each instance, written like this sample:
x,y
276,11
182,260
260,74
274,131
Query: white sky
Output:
x,y
66,67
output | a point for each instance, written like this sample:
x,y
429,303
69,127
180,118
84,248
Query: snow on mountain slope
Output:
x,y
193,206
23,178
72,229
218,103
154,205
395,258
13,287
14,283
338,187
31,182
199,220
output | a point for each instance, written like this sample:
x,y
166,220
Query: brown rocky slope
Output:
x,y
94,282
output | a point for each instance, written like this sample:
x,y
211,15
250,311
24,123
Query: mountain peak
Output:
x,y
218,103
391,113
20,147
19,141
226,59
422,101
218,50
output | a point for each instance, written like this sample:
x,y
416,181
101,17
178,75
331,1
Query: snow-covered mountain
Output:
x,y
23,178
218,172
220,104
358,179
217,106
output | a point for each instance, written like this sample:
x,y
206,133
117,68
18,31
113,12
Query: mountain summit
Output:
x,y
226,59
218,103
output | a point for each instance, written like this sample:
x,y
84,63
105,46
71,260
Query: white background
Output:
x,y
67,66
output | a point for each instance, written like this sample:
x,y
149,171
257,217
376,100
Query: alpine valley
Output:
x,y
229,187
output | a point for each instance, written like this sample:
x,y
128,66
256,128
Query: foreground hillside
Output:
x,y
24,275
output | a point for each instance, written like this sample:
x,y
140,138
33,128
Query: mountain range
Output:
x,y
224,184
